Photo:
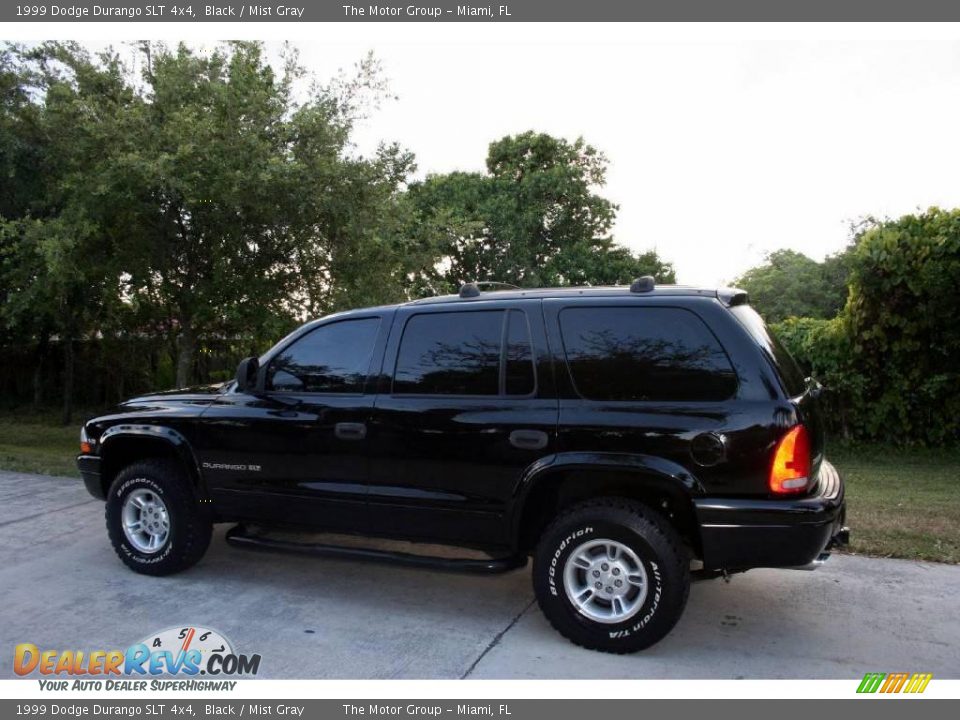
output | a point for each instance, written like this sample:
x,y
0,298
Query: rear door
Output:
x,y
466,404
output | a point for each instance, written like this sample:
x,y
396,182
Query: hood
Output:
x,y
194,392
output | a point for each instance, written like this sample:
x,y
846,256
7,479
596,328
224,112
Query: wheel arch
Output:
x,y
562,480
121,445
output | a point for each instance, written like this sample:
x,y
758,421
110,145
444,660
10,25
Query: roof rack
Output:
x,y
472,289
643,284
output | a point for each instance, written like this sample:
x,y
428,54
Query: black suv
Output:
x,y
628,439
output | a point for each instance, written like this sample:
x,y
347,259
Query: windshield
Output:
x,y
790,373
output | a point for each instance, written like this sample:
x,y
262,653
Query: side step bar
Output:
x,y
238,537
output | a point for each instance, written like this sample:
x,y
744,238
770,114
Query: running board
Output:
x,y
238,537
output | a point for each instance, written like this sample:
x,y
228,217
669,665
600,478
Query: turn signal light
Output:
x,y
790,471
86,448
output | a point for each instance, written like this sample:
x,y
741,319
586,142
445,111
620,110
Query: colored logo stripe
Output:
x,y
894,682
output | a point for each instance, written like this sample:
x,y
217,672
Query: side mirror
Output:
x,y
247,373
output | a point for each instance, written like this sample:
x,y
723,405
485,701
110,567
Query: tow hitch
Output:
x,y
840,539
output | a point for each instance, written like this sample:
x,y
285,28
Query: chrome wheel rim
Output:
x,y
146,523
605,581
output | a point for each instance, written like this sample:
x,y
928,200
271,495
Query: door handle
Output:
x,y
350,430
528,439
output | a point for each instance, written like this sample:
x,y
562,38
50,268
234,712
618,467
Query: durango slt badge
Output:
x,y
226,466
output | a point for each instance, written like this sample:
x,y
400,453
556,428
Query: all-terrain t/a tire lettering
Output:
x,y
185,530
628,603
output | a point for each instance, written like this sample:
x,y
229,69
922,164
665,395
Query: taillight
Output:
x,y
790,471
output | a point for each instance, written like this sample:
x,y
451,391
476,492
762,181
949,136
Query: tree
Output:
x,y
790,284
532,219
201,199
248,208
56,235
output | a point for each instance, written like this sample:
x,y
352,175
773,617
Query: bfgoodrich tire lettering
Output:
x,y
653,542
189,527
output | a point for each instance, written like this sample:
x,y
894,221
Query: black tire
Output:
x,y
655,544
189,526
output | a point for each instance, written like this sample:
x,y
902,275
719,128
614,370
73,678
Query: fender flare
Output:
x,y
169,436
642,467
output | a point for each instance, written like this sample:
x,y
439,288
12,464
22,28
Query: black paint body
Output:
x,y
488,472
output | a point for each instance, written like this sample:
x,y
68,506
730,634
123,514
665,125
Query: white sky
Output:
x,y
725,142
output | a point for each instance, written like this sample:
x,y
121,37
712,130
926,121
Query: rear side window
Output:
x,y
332,358
644,353
790,373
484,352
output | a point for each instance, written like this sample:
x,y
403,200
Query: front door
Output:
x,y
296,451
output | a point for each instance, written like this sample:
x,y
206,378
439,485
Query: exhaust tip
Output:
x,y
813,564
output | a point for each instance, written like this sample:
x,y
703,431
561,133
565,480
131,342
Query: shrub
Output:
x,y
889,361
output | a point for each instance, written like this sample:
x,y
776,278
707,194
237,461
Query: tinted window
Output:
x,y
790,374
450,354
634,353
331,359
518,368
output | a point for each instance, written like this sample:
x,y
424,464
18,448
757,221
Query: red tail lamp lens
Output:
x,y
790,472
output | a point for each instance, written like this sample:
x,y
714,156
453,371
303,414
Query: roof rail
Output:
x,y
643,284
472,289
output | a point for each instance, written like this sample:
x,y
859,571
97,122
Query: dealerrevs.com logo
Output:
x,y
188,651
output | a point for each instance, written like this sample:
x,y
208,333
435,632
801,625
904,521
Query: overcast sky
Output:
x,y
724,142
718,152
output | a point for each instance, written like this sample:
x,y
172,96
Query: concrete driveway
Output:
x,y
63,588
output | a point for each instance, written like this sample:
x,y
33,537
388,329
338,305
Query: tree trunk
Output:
x,y
185,351
67,380
42,347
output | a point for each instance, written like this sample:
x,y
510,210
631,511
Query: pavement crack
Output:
x,y
497,638
47,512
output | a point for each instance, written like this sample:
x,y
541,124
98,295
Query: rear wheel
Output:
x,y
611,574
153,519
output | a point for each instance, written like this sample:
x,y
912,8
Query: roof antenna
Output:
x,y
642,284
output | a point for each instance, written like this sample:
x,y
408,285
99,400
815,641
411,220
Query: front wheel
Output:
x,y
154,522
611,575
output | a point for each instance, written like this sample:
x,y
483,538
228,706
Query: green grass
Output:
x,y
901,503
37,443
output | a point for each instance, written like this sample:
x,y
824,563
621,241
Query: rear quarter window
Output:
x,y
644,353
791,376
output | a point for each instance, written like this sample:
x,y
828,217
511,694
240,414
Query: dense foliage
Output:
x,y
155,224
790,284
889,359
533,220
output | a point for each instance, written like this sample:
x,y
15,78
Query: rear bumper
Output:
x,y
738,534
89,466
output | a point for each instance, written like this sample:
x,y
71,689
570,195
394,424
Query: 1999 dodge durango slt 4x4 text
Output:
x,y
625,438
